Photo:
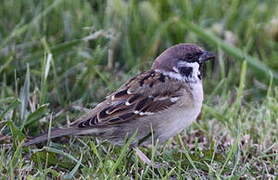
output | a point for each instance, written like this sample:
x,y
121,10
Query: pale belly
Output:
x,y
177,119
175,122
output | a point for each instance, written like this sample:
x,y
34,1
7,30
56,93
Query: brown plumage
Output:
x,y
164,99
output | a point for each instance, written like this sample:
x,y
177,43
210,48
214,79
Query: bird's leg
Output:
x,y
142,156
139,153
146,160
142,140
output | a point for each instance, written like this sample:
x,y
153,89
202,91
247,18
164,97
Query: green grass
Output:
x,y
57,57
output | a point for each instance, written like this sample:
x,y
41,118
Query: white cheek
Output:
x,y
196,70
175,74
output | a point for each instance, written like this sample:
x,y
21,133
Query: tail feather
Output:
x,y
52,134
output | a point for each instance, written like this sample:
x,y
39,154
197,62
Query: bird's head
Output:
x,y
183,62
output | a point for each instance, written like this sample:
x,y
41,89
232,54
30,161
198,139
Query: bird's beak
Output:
x,y
206,56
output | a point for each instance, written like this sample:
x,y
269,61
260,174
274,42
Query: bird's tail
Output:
x,y
52,134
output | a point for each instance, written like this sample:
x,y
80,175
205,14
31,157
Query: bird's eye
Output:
x,y
190,56
186,71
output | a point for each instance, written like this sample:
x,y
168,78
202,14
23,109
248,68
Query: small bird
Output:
x,y
154,105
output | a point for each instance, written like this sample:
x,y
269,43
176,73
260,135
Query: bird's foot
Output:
x,y
146,160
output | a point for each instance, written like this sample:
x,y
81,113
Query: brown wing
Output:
x,y
143,95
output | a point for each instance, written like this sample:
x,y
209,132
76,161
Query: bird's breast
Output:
x,y
174,120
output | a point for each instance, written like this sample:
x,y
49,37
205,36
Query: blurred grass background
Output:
x,y
57,57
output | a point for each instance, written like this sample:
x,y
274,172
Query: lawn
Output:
x,y
60,58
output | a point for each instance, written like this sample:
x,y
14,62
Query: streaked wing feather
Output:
x,y
143,95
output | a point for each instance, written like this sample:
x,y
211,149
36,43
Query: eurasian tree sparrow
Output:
x,y
161,101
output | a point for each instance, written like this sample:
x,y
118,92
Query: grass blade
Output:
x,y
19,30
24,96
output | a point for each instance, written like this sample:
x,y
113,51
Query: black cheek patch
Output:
x,y
186,71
